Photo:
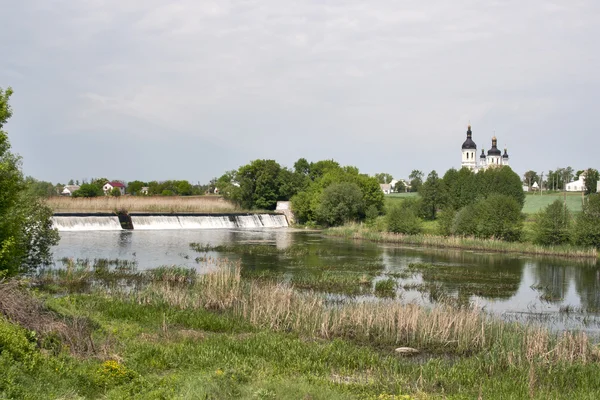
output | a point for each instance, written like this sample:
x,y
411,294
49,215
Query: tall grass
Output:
x,y
466,243
199,204
383,323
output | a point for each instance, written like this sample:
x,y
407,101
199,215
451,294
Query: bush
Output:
x,y
498,216
88,190
340,203
403,218
115,192
445,220
551,226
587,228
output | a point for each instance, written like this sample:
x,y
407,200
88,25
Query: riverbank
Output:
x,y
142,204
355,231
170,333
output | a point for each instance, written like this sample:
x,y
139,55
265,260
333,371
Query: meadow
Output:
x,y
171,333
159,204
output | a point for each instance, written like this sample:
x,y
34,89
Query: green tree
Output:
x,y
498,216
416,180
587,228
258,183
384,177
431,195
88,190
135,187
115,192
530,177
26,232
551,226
591,180
39,188
340,203
403,218
399,187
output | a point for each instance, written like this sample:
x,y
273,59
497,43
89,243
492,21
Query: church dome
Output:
x,y
469,143
505,155
494,151
482,156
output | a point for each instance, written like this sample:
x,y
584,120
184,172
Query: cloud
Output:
x,y
383,85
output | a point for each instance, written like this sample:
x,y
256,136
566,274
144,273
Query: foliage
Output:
x,y
88,190
399,187
40,188
340,203
115,192
558,178
135,187
530,177
26,233
432,196
416,180
591,180
403,218
166,188
587,228
384,177
498,216
551,226
322,174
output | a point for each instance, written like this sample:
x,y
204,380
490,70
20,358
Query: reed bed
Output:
x,y
383,323
158,204
465,243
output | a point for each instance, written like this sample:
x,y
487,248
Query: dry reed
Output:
x,y
161,204
442,328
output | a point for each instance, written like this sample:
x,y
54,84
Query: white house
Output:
x,y
579,184
69,189
386,188
109,186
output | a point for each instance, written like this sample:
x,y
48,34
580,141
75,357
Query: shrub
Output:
x,y
403,218
551,226
340,203
587,228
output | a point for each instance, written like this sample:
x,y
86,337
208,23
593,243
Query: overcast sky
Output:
x,y
149,89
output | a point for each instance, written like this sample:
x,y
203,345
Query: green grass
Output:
x,y
159,344
534,202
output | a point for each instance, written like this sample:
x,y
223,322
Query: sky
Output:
x,y
188,89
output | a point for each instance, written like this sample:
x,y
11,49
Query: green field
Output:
x,y
536,202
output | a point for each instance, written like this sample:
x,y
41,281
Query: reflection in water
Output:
x,y
504,284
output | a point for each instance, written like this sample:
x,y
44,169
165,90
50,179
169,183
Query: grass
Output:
x,y
355,231
534,202
219,337
158,204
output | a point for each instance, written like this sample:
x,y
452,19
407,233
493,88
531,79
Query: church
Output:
x,y
494,157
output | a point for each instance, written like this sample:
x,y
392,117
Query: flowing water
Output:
x,y
558,292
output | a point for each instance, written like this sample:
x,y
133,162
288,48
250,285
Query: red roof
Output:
x,y
116,184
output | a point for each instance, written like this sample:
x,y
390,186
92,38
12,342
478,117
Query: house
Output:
x,y
109,186
386,188
144,190
69,189
579,184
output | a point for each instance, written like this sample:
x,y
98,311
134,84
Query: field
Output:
x,y
166,204
536,202
169,333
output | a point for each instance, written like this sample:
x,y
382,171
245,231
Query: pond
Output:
x,y
564,294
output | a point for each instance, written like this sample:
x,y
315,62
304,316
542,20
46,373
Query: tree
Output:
x,y
530,177
431,193
399,187
88,190
115,192
416,180
135,187
340,203
591,180
587,228
258,184
551,226
39,188
403,218
384,177
71,182
26,232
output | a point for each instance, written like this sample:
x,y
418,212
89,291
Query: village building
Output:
x,y
579,184
109,186
493,158
69,189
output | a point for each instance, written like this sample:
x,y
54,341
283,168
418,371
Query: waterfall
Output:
x,y
89,223
164,222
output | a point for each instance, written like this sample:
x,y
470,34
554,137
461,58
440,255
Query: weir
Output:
x,y
97,222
